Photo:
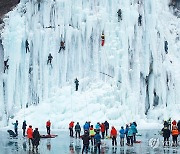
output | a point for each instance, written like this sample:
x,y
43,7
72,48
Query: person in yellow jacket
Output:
x,y
175,134
92,134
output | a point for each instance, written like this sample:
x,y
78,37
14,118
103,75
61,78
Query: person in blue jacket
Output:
x,y
16,127
134,129
122,135
130,136
86,127
97,139
126,133
97,127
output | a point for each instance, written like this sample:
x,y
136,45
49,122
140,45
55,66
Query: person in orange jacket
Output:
x,y
114,135
30,135
71,125
102,39
102,130
48,127
175,134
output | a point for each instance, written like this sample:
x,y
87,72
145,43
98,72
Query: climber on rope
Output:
x,y
77,84
27,46
166,46
119,12
62,46
140,20
102,39
6,66
50,57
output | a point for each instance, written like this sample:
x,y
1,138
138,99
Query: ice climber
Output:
x,y
166,46
97,139
166,134
76,83
24,127
71,126
48,127
50,57
62,46
122,135
36,139
85,139
27,46
6,66
119,12
16,127
30,135
114,136
140,20
102,39
78,130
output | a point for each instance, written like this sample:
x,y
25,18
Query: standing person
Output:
x,y
50,57
102,39
175,134
114,136
16,127
122,135
134,129
126,133
62,46
140,20
78,129
97,127
6,66
92,133
106,127
85,139
119,12
166,134
71,125
97,139
48,127
27,46
77,84
36,139
30,135
24,127
174,123
102,130
130,136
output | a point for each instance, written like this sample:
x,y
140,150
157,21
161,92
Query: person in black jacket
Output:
x,y
78,129
85,139
24,127
119,12
178,125
6,66
166,134
140,20
106,127
27,46
77,83
50,57
36,138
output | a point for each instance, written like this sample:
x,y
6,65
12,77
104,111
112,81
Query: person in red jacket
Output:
x,y
114,136
102,130
30,135
48,127
175,134
71,125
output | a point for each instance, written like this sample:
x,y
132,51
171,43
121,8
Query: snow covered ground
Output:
x,y
130,78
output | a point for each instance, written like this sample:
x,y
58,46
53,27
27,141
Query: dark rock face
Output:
x,y
6,6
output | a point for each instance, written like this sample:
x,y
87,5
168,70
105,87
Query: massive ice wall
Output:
x,y
132,60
